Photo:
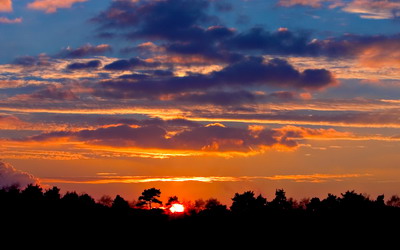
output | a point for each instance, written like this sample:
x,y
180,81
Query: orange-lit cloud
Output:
x,y
104,179
4,84
316,178
10,21
51,6
383,54
10,122
374,9
368,9
308,133
64,145
6,6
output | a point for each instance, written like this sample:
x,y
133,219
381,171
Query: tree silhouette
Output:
x,y
394,201
314,205
353,201
330,203
149,196
52,194
32,193
199,205
213,207
71,198
120,204
172,200
280,201
247,202
106,200
350,211
380,200
86,200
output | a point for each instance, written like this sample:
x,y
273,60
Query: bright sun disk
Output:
x,y
177,208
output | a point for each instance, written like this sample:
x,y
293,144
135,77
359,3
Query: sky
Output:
x,y
201,98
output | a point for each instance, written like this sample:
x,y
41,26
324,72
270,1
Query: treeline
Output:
x,y
48,208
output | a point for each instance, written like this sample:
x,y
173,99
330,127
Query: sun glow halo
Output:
x,y
177,208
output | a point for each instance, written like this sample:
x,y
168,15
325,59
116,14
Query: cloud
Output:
x,y
7,84
320,114
374,9
51,6
203,39
130,64
312,3
368,9
93,64
373,51
282,41
165,19
10,176
302,132
214,137
177,23
383,53
10,122
232,98
107,179
220,98
30,61
247,73
6,6
84,51
48,92
10,21
211,138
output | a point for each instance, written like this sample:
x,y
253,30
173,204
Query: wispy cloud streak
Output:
x,y
103,179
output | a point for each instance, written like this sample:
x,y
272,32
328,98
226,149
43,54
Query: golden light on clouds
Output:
x,y
103,179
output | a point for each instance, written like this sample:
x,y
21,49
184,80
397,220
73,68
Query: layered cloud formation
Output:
x,y
181,61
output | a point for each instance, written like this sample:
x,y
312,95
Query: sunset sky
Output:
x,y
201,98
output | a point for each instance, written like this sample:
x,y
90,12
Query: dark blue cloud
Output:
x,y
282,42
93,64
168,19
30,61
51,92
84,51
250,72
186,27
130,64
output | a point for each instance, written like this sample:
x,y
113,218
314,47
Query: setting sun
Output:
x,y
177,208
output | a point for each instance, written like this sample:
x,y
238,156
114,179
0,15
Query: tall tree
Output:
x,y
150,196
